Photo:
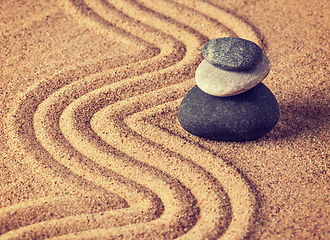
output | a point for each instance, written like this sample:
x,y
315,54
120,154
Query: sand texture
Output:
x,y
90,144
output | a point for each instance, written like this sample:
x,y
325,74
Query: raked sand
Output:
x,y
91,147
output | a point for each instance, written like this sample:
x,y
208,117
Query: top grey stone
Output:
x,y
232,54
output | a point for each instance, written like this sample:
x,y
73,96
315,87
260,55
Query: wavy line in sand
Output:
x,y
201,179
119,87
241,197
77,137
212,201
44,133
38,89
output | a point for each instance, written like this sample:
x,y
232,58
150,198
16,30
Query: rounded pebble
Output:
x,y
245,116
233,54
223,83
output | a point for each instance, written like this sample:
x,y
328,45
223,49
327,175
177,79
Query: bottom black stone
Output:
x,y
245,116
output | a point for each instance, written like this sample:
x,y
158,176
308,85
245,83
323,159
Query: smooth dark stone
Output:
x,y
232,54
245,116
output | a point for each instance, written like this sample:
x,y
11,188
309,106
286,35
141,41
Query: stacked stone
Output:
x,y
229,102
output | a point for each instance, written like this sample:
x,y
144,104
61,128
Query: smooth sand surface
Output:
x,y
90,144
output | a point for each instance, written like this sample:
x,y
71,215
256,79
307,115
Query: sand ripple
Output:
x,y
92,130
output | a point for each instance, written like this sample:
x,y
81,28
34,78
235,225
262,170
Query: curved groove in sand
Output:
x,y
177,208
61,222
178,60
72,91
105,123
239,192
72,130
235,24
45,122
18,120
108,124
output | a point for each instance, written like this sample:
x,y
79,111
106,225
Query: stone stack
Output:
x,y
229,102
